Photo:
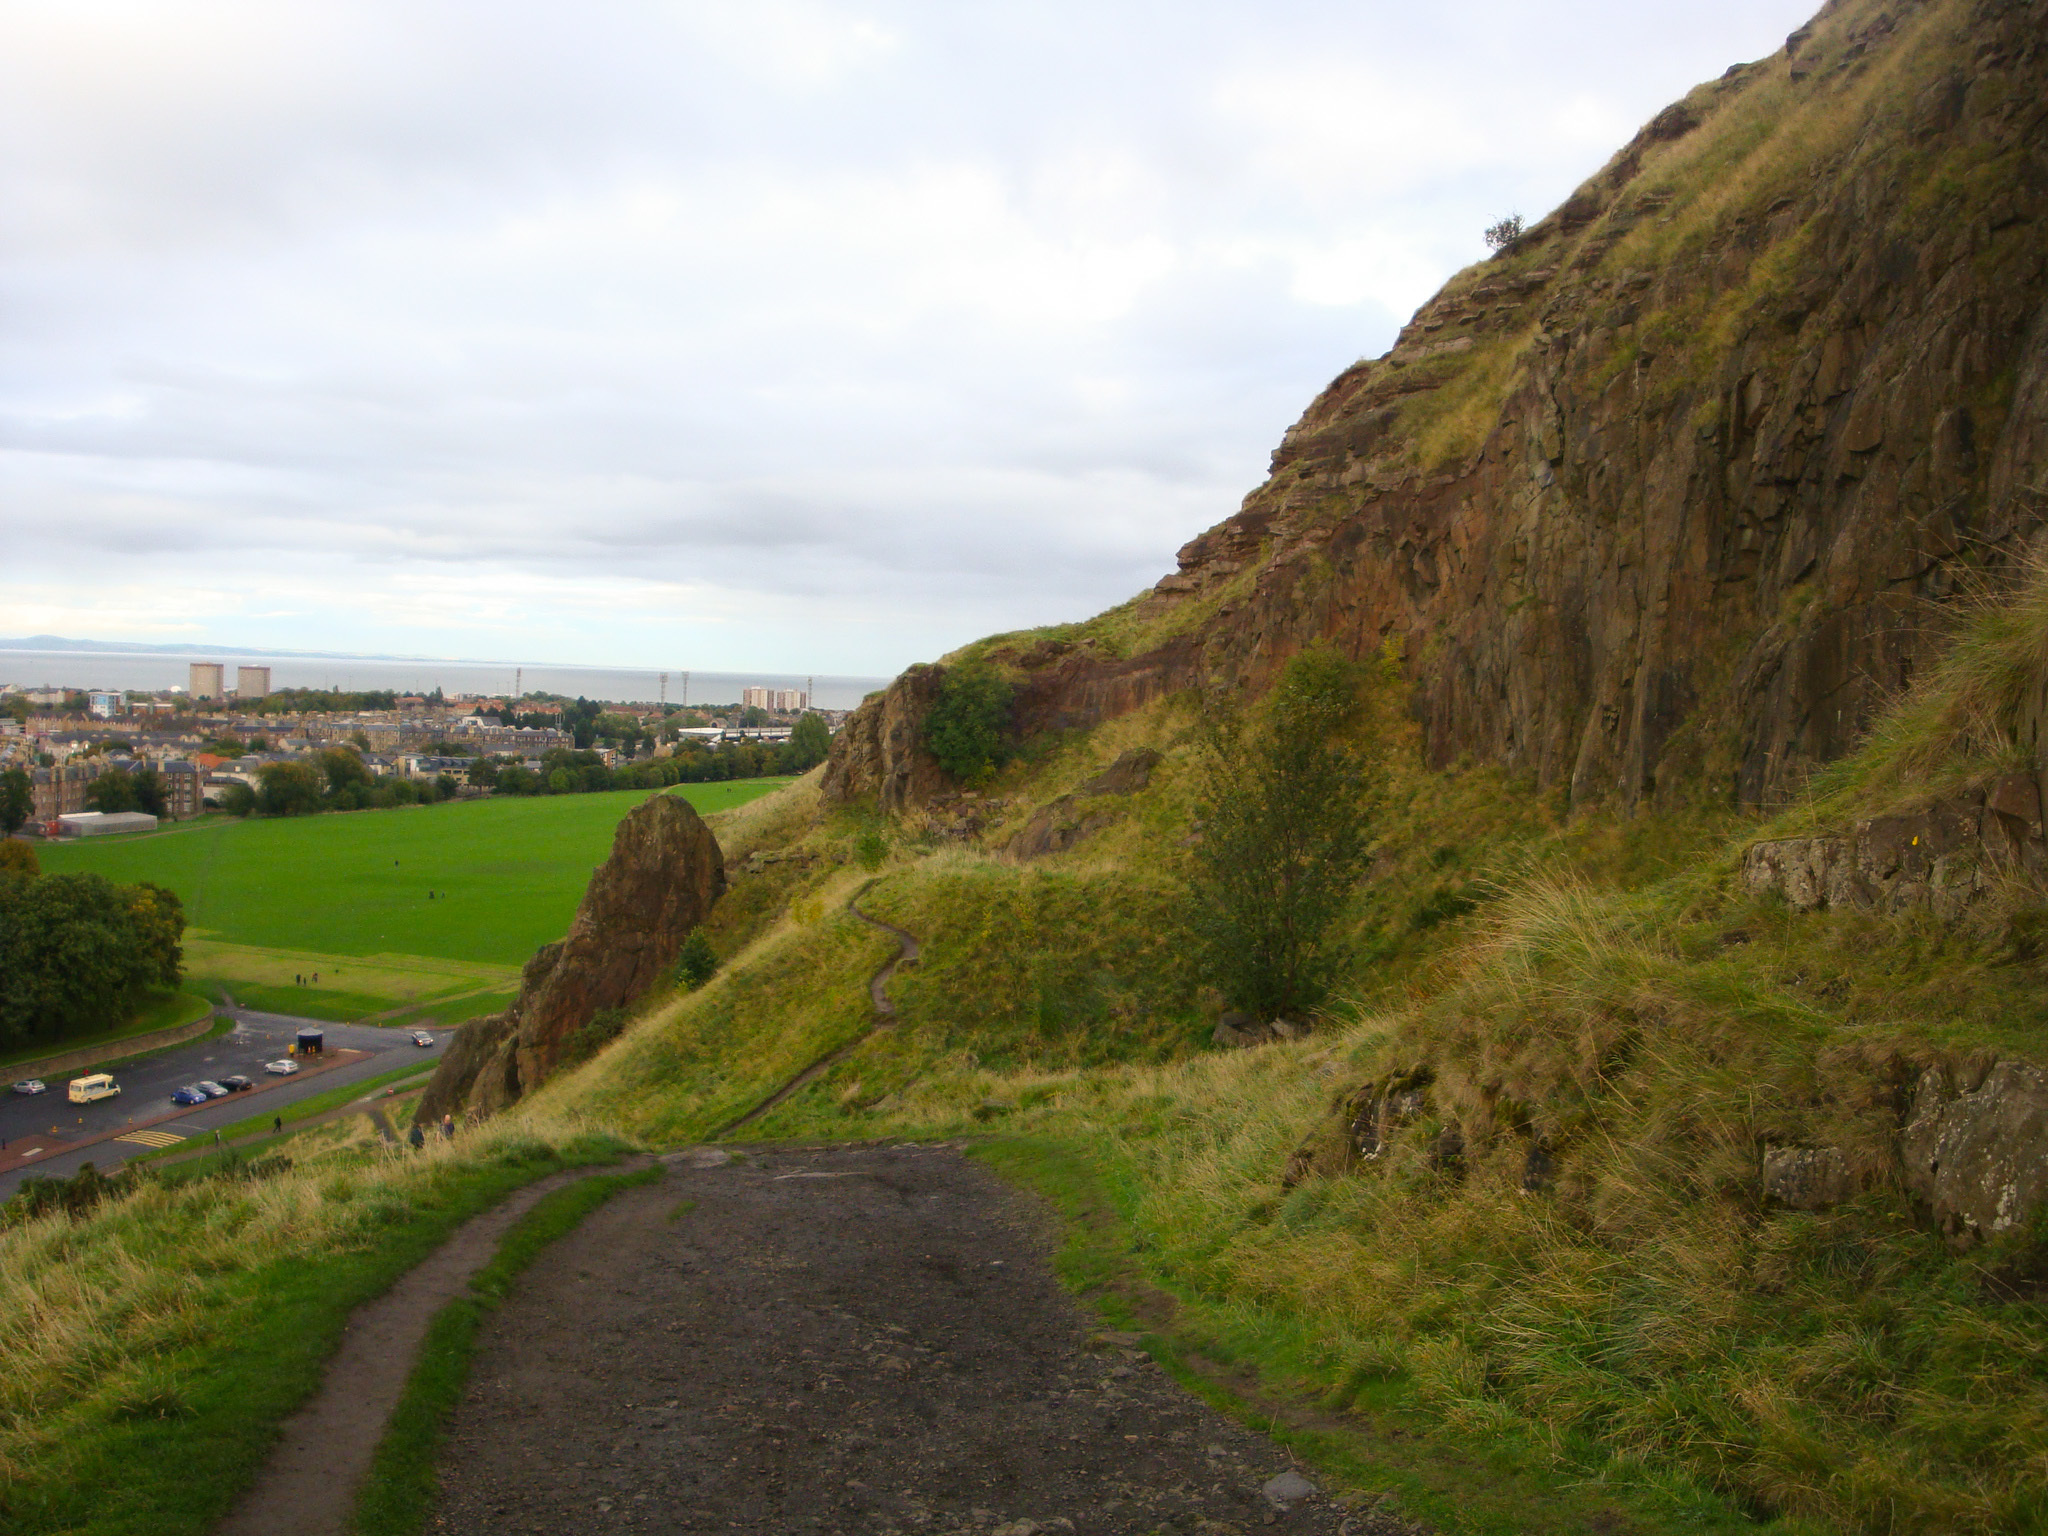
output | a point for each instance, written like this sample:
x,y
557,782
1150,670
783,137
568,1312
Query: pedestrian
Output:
x,y
417,1137
276,1124
447,1127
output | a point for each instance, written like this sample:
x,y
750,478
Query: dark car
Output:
x,y
421,1038
236,1084
191,1093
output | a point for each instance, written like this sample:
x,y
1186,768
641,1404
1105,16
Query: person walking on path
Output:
x,y
276,1124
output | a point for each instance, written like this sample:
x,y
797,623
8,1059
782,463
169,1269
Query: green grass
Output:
x,y
161,1013
399,1491
345,895
173,1414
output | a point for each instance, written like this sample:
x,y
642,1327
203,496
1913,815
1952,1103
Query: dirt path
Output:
x,y
309,1486
841,1341
878,996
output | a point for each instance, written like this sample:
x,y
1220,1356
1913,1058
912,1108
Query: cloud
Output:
x,y
786,333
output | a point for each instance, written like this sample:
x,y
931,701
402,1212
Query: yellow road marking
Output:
x,y
152,1138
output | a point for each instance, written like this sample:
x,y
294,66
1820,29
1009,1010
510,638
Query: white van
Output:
x,y
90,1090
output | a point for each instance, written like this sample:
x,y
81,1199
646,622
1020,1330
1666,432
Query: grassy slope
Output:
x,y
1647,1324
346,895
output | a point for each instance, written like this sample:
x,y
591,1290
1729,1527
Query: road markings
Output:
x,y
152,1138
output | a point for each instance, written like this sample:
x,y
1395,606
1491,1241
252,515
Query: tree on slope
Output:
x,y
17,799
1285,800
810,742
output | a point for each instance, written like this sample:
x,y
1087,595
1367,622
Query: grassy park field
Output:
x,y
345,897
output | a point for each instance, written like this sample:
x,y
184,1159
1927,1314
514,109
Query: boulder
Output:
x,y
880,749
1808,1178
1975,1146
664,873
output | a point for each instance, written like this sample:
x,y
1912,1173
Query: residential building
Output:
x,y
252,682
206,681
104,706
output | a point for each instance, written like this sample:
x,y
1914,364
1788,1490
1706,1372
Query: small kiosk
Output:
x,y
311,1042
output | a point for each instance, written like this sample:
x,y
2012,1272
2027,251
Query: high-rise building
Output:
x,y
206,680
252,682
753,698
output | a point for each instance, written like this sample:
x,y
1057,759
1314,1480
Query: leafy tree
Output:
x,y
17,799
697,962
343,767
360,740
446,786
149,790
1284,805
159,924
1505,233
810,742
483,773
288,789
77,952
16,857
968,723
237,799
112,792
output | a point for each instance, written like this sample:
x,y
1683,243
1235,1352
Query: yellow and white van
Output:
x,y
90,1090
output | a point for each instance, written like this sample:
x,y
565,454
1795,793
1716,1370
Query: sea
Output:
x,y
151,671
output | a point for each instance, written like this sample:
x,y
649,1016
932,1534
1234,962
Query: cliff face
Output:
x,y
1669,494
664,873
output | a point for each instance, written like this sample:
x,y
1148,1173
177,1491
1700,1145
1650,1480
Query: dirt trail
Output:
x,y
309,1486
878,996
846,1341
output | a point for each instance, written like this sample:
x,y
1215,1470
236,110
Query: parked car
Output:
x,y
33,1085
191,1093
212,1089
284,1068
236,1084
422,1038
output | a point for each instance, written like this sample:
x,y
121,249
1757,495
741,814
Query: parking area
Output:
x,y
62,1136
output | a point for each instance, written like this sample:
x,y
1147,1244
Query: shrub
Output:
x,y
697,963
968,726
1504,234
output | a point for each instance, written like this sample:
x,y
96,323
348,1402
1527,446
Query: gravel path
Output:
x,y
838,1340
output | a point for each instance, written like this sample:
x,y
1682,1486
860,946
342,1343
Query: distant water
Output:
x,y
149,671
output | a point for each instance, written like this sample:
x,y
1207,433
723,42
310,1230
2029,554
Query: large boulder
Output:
x,y
664,873
1975,1146
880,751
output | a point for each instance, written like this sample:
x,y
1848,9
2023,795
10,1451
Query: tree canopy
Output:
x,y
1285,799
967,729
78,952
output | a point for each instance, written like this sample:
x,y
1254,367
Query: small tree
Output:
x,y
111,792
810,743
289,789
696,962
1284,806
17,799
968,724
237,799
1504,234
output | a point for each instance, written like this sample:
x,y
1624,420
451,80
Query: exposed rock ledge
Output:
x,y
1938,860
664,873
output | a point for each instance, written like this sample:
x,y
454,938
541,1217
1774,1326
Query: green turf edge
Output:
x,y
1368,1443
398,1494
180,1473
164,1013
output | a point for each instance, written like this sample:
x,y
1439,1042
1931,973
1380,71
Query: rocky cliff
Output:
x,y
1670,494
663,875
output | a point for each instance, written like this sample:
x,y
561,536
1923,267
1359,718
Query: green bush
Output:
x,y
968,727
697,963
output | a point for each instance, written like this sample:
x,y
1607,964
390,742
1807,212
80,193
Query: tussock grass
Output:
x,y
148,1350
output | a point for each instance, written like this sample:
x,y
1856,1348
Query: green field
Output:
x,y
345,896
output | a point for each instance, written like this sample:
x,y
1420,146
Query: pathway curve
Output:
x,y
878,996
309,1485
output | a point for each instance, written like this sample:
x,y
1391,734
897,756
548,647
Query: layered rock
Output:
x,y
1936,860
1667,496
880,751
1062,823
664,873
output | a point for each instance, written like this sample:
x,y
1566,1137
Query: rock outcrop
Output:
x,y
1670,492
664,873
879,751
1060,824
1938,860
1975,1146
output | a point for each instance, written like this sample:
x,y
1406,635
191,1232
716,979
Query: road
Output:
x,y
146,1089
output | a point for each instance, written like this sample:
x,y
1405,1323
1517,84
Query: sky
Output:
x,y
773,334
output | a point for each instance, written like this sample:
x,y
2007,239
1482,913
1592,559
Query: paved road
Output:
x,y
146,1088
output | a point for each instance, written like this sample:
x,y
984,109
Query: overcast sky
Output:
x,y
772,334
